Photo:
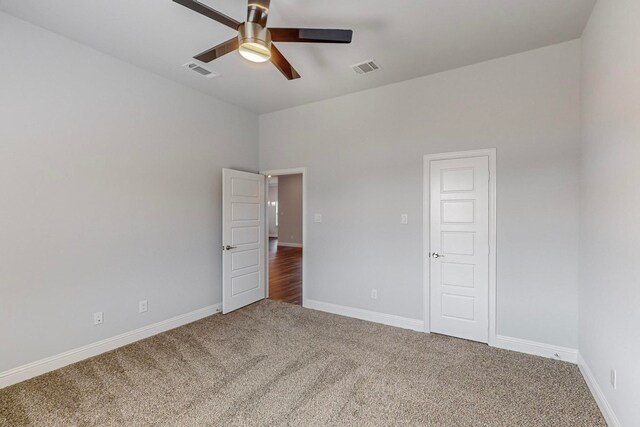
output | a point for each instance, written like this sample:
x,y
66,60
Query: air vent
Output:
x,y
366,67
200,70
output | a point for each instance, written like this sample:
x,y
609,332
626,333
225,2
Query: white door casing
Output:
x,y
243,230
459,247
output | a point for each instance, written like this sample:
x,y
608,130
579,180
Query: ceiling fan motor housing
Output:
x,y
250,32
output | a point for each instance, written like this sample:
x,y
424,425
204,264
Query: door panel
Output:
x,y
458,179
245,212
454,274
458,307
244,186
242,229
245,283
458,211
244,235
459,230
457,243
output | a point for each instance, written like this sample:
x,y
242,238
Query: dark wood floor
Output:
x,y
285,273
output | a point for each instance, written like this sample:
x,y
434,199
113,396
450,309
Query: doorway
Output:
x,y
460,244
286,235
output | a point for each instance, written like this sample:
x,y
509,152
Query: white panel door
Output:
x,y
242,239
459,247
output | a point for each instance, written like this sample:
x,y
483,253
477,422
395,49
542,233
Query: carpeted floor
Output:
x,y
276,364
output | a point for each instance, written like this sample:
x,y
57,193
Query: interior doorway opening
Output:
x,y
285,220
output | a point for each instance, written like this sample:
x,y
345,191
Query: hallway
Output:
x,y
285,273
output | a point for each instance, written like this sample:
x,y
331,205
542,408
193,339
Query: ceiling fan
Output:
x,y
254,40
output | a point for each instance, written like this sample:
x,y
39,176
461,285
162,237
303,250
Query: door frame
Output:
x,y
491,153
279,172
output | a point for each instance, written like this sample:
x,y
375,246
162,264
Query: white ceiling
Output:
x,y
408,38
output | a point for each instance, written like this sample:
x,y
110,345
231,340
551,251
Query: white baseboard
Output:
x,y
536,348
371,316
606,409
30,370
508,343
290,245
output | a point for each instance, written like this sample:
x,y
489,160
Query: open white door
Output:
x,y
459,247
243,231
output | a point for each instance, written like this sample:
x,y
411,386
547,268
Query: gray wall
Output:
x,y
290,209
110,189
364,153
610,230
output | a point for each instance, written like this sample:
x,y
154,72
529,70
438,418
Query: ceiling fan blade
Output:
x,y
218,51
209,13
310,35
283,65
258,11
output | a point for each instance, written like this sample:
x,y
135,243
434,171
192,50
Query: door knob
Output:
x,y
437,255
228,248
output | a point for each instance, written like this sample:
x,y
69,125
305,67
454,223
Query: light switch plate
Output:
x,y
404,219
317,218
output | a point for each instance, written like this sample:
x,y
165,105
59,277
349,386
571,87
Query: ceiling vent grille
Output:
x,y
201,70
366,67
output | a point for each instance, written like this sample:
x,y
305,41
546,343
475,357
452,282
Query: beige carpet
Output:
x,y
275,364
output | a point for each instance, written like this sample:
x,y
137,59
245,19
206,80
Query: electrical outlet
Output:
x,y
142,306
317,218
614,379
374,294
98,318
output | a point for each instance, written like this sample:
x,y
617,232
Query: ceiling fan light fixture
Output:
x,y
255,42
254,52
